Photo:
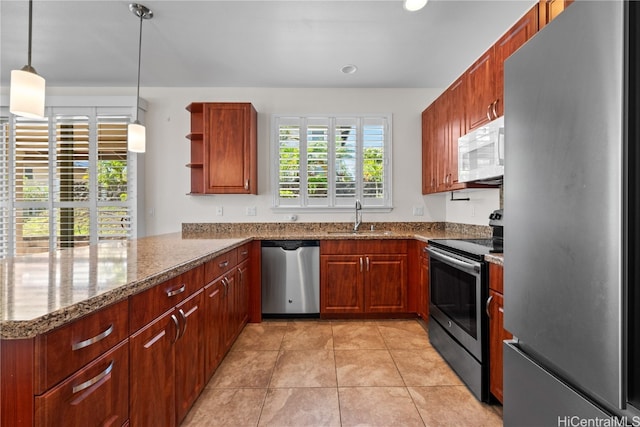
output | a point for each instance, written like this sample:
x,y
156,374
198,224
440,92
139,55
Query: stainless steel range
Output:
x,y
458,283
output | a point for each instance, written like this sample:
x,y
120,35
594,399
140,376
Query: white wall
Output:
x,y
167,178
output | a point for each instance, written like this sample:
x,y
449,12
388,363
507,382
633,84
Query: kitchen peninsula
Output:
x,y
75,324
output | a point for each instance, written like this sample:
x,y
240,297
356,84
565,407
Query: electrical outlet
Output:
x,y
219,210
418,210
251,211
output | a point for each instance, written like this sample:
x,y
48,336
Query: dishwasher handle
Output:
x,y
289,245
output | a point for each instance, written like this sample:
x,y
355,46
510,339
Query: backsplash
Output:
x,y
258,229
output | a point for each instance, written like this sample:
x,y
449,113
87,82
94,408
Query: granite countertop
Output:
x,y
43,291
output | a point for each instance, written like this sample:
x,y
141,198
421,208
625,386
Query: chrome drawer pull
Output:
x,y
87,343
155,339
223,264
93,380
175,292
175,322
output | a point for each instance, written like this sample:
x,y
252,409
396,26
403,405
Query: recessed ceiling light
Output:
x,y
349,69
414,5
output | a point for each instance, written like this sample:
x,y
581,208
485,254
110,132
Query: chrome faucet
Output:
x,y
358,220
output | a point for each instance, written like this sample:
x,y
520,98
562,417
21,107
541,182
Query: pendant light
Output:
x,y
136,132
26,95
414,5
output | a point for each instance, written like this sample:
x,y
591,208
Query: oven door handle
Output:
x,y
472,268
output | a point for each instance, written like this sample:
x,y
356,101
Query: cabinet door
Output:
x,y
456,99
213,328
97,395
497,334
341,284
385,285
481,93
243,292
230,148
429,152
441,146
152,365
189,354
229,310
511,41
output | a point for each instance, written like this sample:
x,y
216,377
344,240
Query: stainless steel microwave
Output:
x,y
481,153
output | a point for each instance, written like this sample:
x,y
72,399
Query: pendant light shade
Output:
x,y
26,94
137,137
414,5
136,132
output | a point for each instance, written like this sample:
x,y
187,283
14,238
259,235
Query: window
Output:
x,y
330,162
66,180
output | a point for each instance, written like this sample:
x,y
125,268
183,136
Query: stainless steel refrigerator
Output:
x,y
571,228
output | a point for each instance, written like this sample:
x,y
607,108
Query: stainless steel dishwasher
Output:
x,y
290,277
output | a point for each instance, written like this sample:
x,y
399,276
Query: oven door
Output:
x,y
456,286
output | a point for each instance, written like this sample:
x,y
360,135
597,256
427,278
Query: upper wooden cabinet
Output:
x,y
223,148
485,78
481,96
549,9
472,100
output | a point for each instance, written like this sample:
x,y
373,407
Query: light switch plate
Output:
x,y
418,210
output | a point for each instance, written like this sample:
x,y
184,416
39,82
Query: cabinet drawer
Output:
x,y
98,395
67,349
147,305
220,264
244,252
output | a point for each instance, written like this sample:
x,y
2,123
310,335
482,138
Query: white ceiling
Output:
x,y
267,43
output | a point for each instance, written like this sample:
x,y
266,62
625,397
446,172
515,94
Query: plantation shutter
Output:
x,y
66,180
5,198
332,161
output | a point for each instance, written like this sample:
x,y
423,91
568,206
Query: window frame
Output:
x,y
280,205
99,111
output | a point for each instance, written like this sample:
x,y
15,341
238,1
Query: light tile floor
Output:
x,y
337,373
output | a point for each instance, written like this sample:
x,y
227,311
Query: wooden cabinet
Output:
x,y
485,77
497,333
78,373
511,41
167,354
481,96
472,100
358,276
223,148
96,395
443,122
550,9
152,361
189,354
226,303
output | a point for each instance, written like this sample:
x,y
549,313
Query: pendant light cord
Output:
x,y
29,49
139,64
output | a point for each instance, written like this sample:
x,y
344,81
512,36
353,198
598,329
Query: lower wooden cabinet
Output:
x,y
358,276
189,351
152,373
497,333
96,395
